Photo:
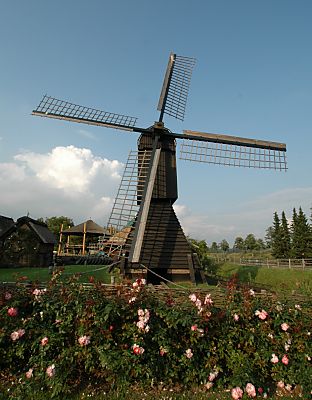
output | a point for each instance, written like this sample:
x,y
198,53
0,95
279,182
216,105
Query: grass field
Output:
x,y
43,274
280,280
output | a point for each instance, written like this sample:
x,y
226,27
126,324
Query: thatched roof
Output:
x,y
5,224
90,227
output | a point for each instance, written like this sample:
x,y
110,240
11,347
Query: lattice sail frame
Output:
x,y
60,109
233,155
127,202
176,85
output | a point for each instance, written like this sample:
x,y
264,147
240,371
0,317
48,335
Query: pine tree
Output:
x,y
285,237
301,235
276,241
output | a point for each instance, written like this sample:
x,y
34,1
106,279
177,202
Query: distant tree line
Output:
x,y
291,238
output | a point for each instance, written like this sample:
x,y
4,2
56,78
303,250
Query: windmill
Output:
x,y
146,225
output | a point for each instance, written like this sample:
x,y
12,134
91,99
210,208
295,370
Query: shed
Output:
x,y
27,242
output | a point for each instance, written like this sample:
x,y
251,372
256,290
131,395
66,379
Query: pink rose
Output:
x,y
208,300
284,326
84,340
285,360
137,350
189,353
50,371
162,351
7,296
140,312
44,341
280,384
194,328
274,359
261,314
17,334
251,390
14,336
236,317
12,312
260,390
29,373
193,297
236,393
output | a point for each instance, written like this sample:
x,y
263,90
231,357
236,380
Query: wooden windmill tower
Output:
x,y
143,208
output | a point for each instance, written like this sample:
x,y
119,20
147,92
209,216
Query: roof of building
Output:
x,y
40,228
5,224
89,227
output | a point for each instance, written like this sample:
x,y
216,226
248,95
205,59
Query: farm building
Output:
x,y
26,242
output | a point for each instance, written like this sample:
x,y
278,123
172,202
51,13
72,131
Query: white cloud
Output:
x,y
67,181
241,219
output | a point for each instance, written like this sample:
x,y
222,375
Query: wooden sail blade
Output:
x,y
231,154
175,87
54,108
234,140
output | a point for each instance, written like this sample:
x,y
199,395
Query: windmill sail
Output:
x,y
232,151
54,108
175,88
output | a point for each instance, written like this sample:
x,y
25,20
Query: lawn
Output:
x,y
280,280
43,274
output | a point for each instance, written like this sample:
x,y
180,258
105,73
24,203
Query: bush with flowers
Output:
x,y
63,338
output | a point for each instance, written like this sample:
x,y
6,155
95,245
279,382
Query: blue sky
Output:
x,y
252,79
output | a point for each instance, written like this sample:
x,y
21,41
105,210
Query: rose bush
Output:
x,y
60,339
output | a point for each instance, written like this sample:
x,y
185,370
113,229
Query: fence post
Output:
x,y
303,263
289,263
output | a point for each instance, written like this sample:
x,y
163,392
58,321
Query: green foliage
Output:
x,y
294,242
55,223
68,338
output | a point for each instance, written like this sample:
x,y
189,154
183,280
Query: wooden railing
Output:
x,y
291,263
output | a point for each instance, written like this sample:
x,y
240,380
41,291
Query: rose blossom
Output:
x,y
44,341
14,336
84,340
193,297
17,334
280,384
29,373
260,390
285,359
236,317
236,393
137,349
194,328
274,359
50,371
12,312
208,300
284,326
189,353
7,296
261,314
251,390
163,351
140,312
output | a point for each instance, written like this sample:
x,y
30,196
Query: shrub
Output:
x,y
60,339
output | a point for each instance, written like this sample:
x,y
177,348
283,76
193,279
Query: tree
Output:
x,y
239,243
260,245
269,236
276,243
285,237
55,223
214,247
301,235
250,242
224,245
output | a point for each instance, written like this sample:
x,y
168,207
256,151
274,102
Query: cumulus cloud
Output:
x,y
67,181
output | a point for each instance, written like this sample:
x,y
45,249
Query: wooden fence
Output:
x,y
291,263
